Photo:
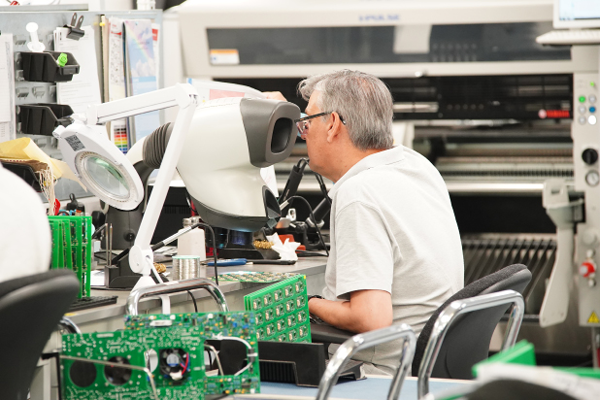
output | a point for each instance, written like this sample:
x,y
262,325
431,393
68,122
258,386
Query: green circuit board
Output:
x,y
152,348
212,326
281,311
72,247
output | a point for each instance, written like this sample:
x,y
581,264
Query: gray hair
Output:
x,y
363,101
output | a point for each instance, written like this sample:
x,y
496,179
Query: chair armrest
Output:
x,y
459,307
325,333
363,341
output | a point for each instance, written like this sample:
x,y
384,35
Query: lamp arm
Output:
x,y
141,257
181,95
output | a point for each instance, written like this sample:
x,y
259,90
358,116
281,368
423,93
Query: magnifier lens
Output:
x,y
106,176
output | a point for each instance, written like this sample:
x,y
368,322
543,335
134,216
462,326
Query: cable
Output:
x,y
214,247
291,186
323,187
217,358
194,300
288,201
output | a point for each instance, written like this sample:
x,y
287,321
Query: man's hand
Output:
x,y
275,96
367,310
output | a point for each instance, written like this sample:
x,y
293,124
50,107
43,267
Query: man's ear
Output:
x,y
335,127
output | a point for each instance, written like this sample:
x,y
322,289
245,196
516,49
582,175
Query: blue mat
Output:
x,y
372,388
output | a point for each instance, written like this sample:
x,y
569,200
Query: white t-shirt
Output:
x,y
25,243
393,229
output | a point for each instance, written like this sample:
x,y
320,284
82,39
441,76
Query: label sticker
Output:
x,y
593,319
224,57
75,143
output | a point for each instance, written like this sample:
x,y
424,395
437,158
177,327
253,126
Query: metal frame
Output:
x,y
459,307
173,287
69,325
363,341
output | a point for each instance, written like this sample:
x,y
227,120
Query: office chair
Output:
x,y
30,310
448,347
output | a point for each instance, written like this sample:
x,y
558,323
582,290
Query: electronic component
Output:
x,y
87,381
72,247
212,326
281,311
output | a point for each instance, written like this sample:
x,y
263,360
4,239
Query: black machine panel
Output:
x,y
515,97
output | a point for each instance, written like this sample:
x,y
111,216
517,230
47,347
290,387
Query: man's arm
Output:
x,y
367,310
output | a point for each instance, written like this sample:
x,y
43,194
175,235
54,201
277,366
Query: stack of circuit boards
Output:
x,y
281,311
72,247
172,348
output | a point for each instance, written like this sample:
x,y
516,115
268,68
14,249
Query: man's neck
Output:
x,y
349,159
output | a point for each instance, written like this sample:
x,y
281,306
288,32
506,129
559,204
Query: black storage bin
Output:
x,y
42,67
24,171
41,119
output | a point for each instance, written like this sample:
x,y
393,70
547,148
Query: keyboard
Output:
x,y
568,37
91,302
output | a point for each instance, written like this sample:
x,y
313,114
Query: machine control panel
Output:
x,y
586,145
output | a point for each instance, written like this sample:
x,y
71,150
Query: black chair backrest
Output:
x,y
30,309
468,338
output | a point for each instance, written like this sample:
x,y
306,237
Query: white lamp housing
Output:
x,y
102,168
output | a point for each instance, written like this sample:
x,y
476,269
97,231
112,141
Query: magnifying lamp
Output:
x,y
102,168
107,173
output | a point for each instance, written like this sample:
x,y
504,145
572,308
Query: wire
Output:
x,y
217,358
187,362
313,217
194,300
323,187
293,181
214,247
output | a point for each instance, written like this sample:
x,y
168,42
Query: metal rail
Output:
x,y
363,341
459,307
173,287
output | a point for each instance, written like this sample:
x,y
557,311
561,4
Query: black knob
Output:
x,y
589,156
130,236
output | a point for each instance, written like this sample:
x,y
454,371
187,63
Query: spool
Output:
x,y
187,267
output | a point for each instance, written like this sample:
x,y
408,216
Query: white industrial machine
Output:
x,y
578,221
295,38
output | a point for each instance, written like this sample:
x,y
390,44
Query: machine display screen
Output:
x,y
578,13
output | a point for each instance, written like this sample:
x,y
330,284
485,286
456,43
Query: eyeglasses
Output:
x,y
303,123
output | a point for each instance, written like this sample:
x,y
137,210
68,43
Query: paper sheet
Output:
x,y
84,89
7,89
116,81
141,71
26,149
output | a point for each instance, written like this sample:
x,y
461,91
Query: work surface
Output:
x,y
374,387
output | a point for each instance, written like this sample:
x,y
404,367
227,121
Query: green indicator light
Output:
x,y
582,99
592,83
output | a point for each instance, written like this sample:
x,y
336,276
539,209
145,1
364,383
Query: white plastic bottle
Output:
x,y
192,243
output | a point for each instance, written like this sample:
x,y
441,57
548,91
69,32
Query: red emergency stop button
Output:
x,y
587,268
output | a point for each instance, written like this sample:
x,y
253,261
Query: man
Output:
x,y
396,253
